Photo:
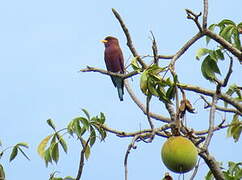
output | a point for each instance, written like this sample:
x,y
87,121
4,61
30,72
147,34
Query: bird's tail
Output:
x,y
119,83
120,93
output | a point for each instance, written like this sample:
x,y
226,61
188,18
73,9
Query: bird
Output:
x,y
114,61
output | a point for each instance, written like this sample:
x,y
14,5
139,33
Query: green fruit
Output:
x,y
179,154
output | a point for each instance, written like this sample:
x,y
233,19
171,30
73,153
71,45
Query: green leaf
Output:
x,y
51,124
209,68
162,95
219,54
13,153
151,87
24,154
235,128
2,173
144,82
102,118
92,136
53,140
211,28
23,144
101,131
135,65
226,22
201,52
42,145
70,128
87,114
236,38
170,93
87,152
55,152
69,178
77,128
236,131
239,25
62,142
85,123
47,157
87,148
209,176
226,33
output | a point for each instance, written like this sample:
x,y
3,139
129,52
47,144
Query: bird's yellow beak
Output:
x,y
104,41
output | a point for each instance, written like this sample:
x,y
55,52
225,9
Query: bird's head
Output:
x,y
109,41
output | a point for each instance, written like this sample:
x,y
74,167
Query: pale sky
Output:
x,y
43,45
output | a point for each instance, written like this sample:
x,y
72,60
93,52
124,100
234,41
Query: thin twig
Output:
x,y
129,40
185,47
205,13
154,49
102,71
229,110
236,52
131,145
81,164
195,170
194,17
226,79
142,106
148,98
211,122
207,92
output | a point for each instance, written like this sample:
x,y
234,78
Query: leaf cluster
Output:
x,y
234,172
85,128
153,84
235,128
15,150
229,30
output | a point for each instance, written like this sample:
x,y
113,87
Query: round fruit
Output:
x,y
179,154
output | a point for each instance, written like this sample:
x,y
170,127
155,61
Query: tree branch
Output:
x,y
185,47
205,13
131,145
128,37
230,110
194,17
144,133
81,164
211,122
213,166
207,92
236,52
142,106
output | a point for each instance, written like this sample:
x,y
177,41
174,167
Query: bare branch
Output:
x,y
195,170
131,145
102,71
154,49
142,106
207,92
236,52
203,132
226,79
148,98
81,164
211,122
128,37
142,133
185,47
213,165
165,56
230,110
205,13
194,17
